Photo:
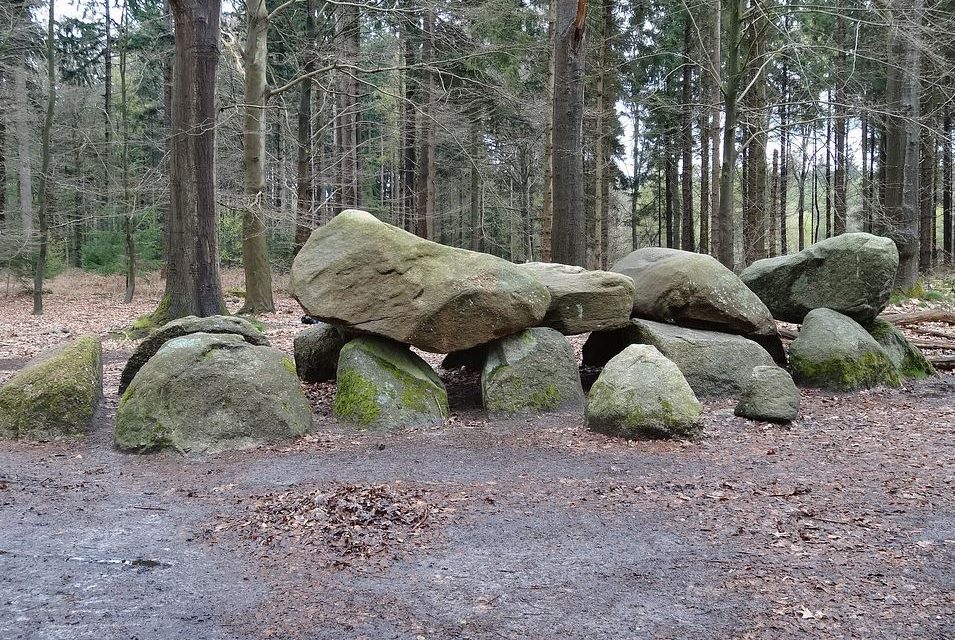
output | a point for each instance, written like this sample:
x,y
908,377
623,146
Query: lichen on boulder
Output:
x,y
640,394
383,386
55,394
534,371
851,273
906,357
582,300
833,351
358,272
183,327
211,392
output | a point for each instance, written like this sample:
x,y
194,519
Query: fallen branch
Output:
x,y
929,331
942,362
932,344
915,317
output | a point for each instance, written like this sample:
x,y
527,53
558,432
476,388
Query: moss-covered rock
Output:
x,y
771,395
534,371
907,358
715,364
182,327
211,392
833,351
316,352
582,300
852,274
641,394
55,394
383,386
359,272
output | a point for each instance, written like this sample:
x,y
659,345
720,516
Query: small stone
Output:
x,y
770,395
641,394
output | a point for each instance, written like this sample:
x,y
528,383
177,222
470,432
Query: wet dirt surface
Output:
x,y
841,525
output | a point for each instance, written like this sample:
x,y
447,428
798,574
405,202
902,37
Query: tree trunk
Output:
x,y
108,114
783,160
128,200
903,88
714,55
948,233
192,280
348,113
728,168
255,254
477,231
570,225
24,155
45,182
305,201
424,176
927,168
754,208
547,211
687,242
841,125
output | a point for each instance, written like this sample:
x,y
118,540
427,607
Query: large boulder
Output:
x,y
833,351
852,274
208,392
582,300
55,394
695,290
642,394
383,386
715,364
316,351
770,395
362,273
183,327
908,360
534,371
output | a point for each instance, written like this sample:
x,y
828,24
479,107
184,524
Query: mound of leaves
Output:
x,y
350,520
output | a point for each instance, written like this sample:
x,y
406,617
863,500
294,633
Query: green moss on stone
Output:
x,y
55,394
289,365
356,399
845,374
546,399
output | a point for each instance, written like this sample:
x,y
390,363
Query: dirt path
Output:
x,y
839,526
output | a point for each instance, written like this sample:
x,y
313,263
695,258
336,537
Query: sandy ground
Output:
x,y
841,525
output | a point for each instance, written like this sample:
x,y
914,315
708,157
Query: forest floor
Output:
x,y
840,525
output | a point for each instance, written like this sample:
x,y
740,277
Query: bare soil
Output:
x,y
841,525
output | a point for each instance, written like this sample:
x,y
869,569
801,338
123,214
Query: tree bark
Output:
x,y
192,280
255,254
348,113
45,182
728,164
128,200
714,55
903,88
687,242
24,154
948,233
840,126
547,211
570,225
305,201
